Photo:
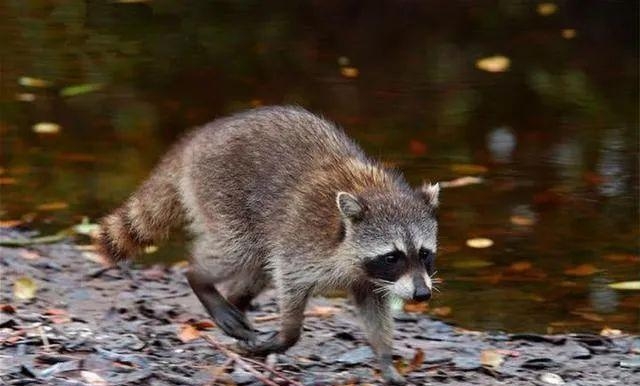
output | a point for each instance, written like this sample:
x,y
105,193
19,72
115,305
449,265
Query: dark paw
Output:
x,y
273,344
234,323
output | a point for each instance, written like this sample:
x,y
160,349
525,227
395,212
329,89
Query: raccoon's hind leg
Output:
x,y
231,320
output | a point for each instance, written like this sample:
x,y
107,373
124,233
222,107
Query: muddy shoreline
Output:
x,y
91,325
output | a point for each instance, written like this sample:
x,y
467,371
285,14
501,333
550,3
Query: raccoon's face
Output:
x,y
394,237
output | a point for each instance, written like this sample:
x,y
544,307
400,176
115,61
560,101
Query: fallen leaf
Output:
x,y
24,288
622,257
468,169
203,324
479,242
52,206
28,81
520,266
523,221
491,358
349,72
80,89
417,148
416,307
25,97
8,181
86,228
441,311
471,264
188,333
496,63
546,9
7,308
415,363
10,223
569,33
46,128
581,270
93,379
626,285
610,332
462,181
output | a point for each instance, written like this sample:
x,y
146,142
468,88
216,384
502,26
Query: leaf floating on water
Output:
x,y
349,72
491,358
28,81
24,288
58,205
25,97
626,285
479,242
606,331
441,311
416,307
546,9
46,128
496,63
93,379
471,264
520,266
188,333
581,270
80,89
462,181
569,33
523,221
86,227
149,249
468,169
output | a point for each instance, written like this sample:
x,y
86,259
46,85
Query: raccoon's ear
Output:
x,y
430,194
349,205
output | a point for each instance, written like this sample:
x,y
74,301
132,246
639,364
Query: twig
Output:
x,y
21,242
248,364
308,314
45,339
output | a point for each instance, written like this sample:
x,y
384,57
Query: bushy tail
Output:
x,y
146,217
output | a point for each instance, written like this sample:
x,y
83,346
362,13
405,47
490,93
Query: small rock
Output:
x,y
242,377
633,363
466,363
552,379
356,356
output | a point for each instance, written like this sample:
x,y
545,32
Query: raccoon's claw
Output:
x,y
234,324
273,344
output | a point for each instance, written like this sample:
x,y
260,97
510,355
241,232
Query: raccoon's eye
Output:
x,y
426,254
392,258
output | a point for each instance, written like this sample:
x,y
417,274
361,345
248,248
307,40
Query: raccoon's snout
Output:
x,y
421,293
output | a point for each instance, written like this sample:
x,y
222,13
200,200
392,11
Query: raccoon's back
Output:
x,y
243,166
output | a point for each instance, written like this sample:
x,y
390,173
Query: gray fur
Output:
x,y
259,191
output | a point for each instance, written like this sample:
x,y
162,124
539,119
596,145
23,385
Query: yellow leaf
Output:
x,y
53,206
479,242
606,331
546,9
491,358
581,270
441,311
46,128
25,97
462,181
468,169
471,264
149,249
349,72
188,333
28,81
496,63
24,288
626,285
569,33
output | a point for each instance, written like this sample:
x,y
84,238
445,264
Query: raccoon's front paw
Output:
x,y
275,343
234,323
391,376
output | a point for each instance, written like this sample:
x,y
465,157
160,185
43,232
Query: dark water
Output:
x,y
555,135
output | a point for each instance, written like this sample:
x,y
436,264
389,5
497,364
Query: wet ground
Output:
x,y
80,323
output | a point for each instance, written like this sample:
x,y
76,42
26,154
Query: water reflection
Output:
x,y
554,135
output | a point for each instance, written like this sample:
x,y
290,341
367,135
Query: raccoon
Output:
x,y
279,195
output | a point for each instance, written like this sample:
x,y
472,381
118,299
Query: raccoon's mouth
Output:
x,y
413,287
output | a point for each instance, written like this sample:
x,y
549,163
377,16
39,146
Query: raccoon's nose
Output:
x,y
421,294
